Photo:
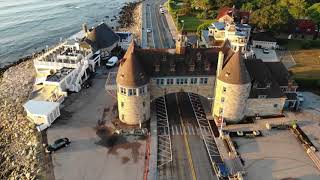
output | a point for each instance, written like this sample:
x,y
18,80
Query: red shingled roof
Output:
x,y
227,11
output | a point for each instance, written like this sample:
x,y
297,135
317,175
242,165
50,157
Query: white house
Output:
x,y
42,113
263,40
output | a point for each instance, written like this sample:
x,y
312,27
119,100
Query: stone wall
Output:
x,y
134,108
235,98
264,107
206,90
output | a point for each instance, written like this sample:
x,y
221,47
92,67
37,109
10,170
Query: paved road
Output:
x,y
180,167
160,37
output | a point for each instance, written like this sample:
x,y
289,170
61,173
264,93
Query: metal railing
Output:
x,y
164,140
205,130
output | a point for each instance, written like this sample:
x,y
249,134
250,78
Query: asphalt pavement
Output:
x,y
180,167
160,36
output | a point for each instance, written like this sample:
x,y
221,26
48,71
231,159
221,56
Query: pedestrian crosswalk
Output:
x,y
189,130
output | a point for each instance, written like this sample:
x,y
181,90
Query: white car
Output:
x,y
266,51
149,30
112,61
162,11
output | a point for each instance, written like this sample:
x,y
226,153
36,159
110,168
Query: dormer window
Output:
x,y
207,66
164,58
157,67
172,67
198,56
191,67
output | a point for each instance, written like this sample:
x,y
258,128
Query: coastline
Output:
x,y
21,151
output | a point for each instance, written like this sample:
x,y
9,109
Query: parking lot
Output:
x,y
94,152
277,155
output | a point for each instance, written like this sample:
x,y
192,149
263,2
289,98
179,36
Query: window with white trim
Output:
x,y
224,89
130,92
193,80
203,81
134,92
169,81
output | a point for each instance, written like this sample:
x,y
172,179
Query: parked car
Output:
x,y
58,144
86,84
265,51
162,11
112,62
222,170
149,30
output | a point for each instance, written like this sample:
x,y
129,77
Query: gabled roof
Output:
x,y
261,76
235,71
131,73
101,37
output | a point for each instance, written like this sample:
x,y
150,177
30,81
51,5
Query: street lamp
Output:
x,y
182,21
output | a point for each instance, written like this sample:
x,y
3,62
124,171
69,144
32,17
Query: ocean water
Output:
x,y
30,25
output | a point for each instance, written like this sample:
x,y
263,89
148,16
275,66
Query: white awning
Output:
x,y
40,107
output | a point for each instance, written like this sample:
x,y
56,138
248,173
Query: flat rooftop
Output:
x,y
59,75
270,57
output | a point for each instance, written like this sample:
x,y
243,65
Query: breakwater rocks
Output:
x,y
20,149
127,14
133,20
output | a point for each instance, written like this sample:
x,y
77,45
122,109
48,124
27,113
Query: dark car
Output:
x,y
58,144
86,84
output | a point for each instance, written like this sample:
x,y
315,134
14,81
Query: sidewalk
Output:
x,y
172,27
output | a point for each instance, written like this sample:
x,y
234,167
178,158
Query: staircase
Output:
x,y
76,80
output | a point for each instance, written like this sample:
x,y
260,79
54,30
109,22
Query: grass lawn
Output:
x,y
308,64
297,44
191,23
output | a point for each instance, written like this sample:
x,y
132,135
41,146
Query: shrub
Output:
x,y
203,27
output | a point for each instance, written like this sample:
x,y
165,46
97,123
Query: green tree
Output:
x,y
314,13
296,7
248,6
225,3
201,4
203,27
270,17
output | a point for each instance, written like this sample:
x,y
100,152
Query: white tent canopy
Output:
x,y
40,108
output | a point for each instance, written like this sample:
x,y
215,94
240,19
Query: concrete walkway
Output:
x,y
172,27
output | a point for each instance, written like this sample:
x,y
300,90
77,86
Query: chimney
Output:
x,y
220,62
198,56
181,44
85,28
172,67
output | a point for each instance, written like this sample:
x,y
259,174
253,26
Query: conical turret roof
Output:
x,y
235,71
131,73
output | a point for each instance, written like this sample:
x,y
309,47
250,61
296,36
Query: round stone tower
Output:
x,y
132,89
232,90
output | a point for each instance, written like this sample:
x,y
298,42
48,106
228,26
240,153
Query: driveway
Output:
x,y
94,153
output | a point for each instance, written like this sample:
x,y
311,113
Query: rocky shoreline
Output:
x,y
21,151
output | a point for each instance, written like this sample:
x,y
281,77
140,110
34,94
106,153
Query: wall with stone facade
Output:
x,y
206,90
132,109
235,98
265,107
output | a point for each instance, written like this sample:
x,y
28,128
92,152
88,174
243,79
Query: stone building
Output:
x,y
240,87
